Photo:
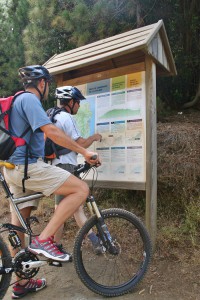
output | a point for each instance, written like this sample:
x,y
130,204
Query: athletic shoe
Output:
x,y
33,285
60,247
58,263
98,248
49,249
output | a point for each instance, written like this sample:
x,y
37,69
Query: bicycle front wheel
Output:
x,y
108,274
5,262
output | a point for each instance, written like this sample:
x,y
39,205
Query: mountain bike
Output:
x,y
126,245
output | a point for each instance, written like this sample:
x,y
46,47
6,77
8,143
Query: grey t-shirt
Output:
x,y
27,111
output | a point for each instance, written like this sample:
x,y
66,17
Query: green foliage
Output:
x,y
163,109
191,224
41,37
182,21
11,47
42,28
127,199
89,21
181,228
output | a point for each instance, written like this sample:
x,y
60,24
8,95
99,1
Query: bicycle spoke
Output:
x,y
123,270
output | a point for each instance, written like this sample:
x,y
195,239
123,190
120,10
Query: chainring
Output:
x,y
24,256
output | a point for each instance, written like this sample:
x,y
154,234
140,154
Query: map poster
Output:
x,y
115,108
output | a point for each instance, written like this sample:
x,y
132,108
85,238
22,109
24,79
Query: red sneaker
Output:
x,y
33,285
49,249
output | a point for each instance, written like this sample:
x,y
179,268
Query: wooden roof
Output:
x,y
117,51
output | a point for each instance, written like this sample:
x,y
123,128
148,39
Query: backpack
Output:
x,y
8,143
51,149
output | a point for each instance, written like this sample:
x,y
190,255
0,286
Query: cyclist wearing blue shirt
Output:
x,y
41,177
27,111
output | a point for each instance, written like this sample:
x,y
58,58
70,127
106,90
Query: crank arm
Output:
x,y
33,264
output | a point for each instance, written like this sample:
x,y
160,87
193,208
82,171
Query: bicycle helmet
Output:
x,y
67,93
31,73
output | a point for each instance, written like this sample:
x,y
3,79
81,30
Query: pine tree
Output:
x,y
44,36
11,47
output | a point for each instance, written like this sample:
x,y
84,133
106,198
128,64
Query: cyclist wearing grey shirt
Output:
x,y
70,98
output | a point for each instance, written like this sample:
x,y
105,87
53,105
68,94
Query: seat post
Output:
x,y
5,186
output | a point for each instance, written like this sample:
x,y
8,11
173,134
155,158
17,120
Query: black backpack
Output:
x,y
52,150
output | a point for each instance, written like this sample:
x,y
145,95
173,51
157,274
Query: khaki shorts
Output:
x,y
44,178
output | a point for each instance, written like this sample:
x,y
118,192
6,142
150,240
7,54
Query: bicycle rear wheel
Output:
x,y
5,262
114,275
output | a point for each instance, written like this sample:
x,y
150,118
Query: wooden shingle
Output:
x,y
117,51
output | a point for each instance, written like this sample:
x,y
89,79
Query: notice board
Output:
x,y
116,108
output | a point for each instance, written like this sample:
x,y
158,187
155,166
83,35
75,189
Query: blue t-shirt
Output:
x,y
27,111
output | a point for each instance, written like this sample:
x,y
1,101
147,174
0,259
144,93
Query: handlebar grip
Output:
x,y
94,157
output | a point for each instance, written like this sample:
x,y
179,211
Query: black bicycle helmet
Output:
x,y
31,73
68,93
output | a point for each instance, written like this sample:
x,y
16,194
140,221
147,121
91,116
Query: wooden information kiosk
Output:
x,y
117,75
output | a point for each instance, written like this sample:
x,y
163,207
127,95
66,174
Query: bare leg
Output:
x,y
59,232
80,218
25,212
76,192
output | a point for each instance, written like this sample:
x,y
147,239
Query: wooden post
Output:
x,y
151,149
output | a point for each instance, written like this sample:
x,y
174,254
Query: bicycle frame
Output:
x,y
91,204
15,201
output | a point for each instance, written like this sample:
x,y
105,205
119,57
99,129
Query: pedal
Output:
x,y
55,263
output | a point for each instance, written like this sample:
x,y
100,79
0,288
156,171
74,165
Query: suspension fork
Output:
x,y
94,210
101,226
92,206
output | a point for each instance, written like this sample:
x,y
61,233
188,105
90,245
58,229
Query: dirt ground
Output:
x,y
166,280
171,276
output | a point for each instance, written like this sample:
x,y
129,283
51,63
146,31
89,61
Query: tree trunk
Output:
x,y
140,21
195,100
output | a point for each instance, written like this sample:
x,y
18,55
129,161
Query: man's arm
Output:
x,y
59,137
85,143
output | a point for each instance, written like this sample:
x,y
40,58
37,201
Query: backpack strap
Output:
x,y
25,169
27,146
58,150
63,150
25,131
56,110
15,96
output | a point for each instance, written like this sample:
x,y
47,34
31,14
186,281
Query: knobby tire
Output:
x,y
6,262
114,275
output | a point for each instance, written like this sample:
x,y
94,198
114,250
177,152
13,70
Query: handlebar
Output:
x,y
84,167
